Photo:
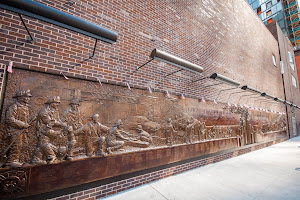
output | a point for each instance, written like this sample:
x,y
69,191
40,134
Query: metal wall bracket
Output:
x,y
225,90
144,64
173,73
30,38
92,55
213,85
197,80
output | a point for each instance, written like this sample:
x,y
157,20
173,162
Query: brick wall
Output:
x,y
210,33
221,36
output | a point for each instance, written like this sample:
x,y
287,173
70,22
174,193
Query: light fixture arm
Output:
x,y
173,73
144,64
32,39
198,80
225,90
93,54
234,93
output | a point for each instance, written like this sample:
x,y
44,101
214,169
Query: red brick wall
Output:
x,y
221,36
212,34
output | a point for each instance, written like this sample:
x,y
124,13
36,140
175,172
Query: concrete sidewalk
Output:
x,y
269,173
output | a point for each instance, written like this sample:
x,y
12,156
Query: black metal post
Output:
x,y
173,73
197,80
143,64
32,39
93,54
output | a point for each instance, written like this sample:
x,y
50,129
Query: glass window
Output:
x,y
281,24
279,6
270,20
274,60
269,4
255,4
282,67
274,2
263,7
280,15
258,10
291,60
269,13
263,16
294,82
290,57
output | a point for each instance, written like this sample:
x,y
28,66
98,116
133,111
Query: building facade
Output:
x,y
286,13
289,72
159,91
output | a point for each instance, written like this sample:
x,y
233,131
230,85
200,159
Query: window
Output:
x,y
269,13
269,4
291,60
294,82
282,67
270,20
274,60
258,10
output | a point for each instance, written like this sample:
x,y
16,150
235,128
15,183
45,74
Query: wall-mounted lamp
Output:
x,y
173,60
53,16
253,90
225,79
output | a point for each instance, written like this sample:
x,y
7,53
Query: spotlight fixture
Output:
x,y
54,16
253,90
225,79
173,60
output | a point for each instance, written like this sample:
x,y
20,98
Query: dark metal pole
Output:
x,y
93,54
197,80
173,73
32,40
143,64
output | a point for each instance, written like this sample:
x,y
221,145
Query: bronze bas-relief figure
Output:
x,y
16,122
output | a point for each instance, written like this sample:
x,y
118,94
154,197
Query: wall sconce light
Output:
x,y
225,79
53,16
173,60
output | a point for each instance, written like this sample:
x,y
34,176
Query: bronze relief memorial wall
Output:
x,y
57,132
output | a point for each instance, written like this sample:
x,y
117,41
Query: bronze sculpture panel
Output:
x,y
48,122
